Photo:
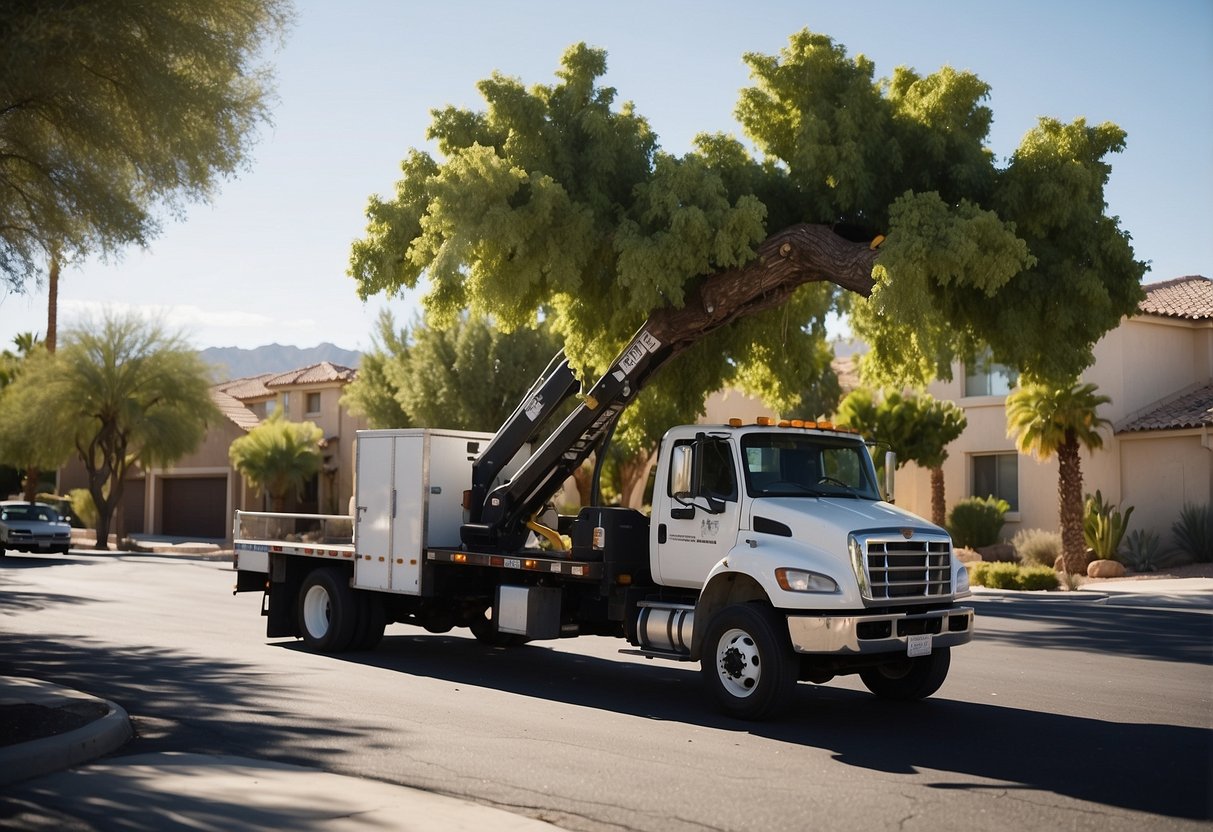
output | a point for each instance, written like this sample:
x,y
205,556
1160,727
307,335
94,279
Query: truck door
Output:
x,y
697,511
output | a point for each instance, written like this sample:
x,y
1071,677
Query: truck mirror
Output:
x,y
890,474
681,466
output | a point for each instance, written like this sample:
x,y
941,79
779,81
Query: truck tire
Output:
x,y
748,663
907,678
368,631
327,610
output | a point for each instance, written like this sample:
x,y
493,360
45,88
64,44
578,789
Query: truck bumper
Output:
x,y
884,633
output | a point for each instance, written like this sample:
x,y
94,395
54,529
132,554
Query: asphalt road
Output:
x,y
1062,714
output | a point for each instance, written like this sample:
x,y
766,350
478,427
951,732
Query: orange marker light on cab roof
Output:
x,y
735,422
764,421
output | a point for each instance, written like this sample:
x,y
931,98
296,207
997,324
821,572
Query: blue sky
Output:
x,y
266,261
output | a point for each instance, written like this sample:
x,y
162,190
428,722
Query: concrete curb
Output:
x,y
47,755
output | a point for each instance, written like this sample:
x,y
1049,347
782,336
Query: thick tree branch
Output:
x,y
786,260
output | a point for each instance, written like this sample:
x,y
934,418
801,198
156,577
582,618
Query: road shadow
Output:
x,y
1161,769
207,705
1173,635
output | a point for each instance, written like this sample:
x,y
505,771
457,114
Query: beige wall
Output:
x,y
1141,363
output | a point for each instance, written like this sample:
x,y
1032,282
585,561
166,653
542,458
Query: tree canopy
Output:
x,y
118,392
114,110
278,456
554,202
468,376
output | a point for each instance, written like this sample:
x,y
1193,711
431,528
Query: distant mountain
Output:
x,y
234,362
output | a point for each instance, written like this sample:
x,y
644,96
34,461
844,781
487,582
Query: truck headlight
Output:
x,y
801,580
962,580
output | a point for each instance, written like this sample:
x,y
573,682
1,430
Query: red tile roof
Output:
x,y
1184,297
234,409
1193,409
325,371
251,387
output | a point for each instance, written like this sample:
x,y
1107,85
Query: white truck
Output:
x,y
769,556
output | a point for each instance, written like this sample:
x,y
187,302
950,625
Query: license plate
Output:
x,y
918,645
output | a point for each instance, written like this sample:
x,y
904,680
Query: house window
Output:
x,y
313,404
996,475
286,405
269,407
984,377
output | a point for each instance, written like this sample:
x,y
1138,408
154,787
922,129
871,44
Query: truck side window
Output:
x,y
719,477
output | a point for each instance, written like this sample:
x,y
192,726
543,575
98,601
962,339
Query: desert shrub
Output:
x,y
1038,578
1103,527
1193,532
975,522
1037,547
1001,575
1141,550
83,507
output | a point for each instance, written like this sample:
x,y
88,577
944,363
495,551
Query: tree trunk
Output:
x,y
52,302
633,474
583,477
939,506
1069,495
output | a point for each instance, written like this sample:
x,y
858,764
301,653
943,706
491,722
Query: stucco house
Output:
x,y
197,495
1157,368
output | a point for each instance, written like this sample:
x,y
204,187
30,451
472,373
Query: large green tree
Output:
x,y
113,112
119,392
468,376
278,457
28,448
1051,420
553,202
917,426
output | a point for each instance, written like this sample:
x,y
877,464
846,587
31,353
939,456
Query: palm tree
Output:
x,y
917,426
1048,421
278,456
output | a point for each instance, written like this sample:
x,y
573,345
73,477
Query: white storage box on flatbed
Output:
x,y
409,494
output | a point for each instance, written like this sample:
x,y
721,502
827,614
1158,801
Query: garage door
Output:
x,y
194,506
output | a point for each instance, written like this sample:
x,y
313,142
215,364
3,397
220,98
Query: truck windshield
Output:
x,y
807,465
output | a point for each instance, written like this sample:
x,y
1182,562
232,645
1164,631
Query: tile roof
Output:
x,y
250,387
234,409
1184,297
1192,409
325,371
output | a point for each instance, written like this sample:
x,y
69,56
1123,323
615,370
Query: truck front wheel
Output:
x,y
328,611
906,678
748,662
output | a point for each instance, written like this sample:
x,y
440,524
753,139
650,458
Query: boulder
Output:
x,y
1105,569
1003,552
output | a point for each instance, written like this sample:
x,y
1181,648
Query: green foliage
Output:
x,y
1036,578
1044,418
1037,547
278,456
917,426
116,110
1005,575
1141,550
83,507
1192,533
977,521
1104,526
469,376
554,202
120,391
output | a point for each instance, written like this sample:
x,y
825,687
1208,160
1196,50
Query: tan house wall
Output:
x,y
1142,362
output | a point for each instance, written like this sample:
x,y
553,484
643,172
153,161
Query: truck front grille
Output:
x,y
904,570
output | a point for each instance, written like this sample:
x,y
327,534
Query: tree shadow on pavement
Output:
x,y
1161,769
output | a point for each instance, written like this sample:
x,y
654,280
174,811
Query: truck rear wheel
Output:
x,y
327,610
748,662
368,630
906,678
